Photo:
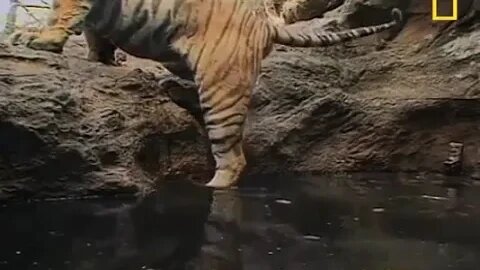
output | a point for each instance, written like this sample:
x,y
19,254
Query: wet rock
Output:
x,y
453,163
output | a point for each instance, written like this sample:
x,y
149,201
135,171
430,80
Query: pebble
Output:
x,y
311,237
283,201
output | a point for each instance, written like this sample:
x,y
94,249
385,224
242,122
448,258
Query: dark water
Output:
x,y
373,223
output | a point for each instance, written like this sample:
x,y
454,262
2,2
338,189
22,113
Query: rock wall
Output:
x,y
72,127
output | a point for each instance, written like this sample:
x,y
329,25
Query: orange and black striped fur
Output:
x,y
219,44
66,18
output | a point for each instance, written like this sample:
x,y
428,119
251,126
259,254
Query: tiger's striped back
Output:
x,y
217,43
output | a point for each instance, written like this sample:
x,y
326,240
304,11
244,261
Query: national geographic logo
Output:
x,y
436,17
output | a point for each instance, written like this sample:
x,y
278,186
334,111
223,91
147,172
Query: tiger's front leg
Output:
x,y
100,49
66,18
224,96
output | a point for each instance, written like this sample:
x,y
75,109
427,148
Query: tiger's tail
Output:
x,y
285,35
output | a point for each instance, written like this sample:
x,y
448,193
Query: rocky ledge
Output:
x,y
72,127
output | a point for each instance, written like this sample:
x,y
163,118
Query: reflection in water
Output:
x,y
372,222
221,249
163,231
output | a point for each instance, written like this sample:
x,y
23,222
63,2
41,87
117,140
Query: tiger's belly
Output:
x,y
169,58
139,33
159,52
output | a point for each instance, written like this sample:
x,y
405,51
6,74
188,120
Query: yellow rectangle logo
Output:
x,y
453,17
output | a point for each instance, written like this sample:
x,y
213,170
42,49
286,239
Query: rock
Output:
x,y
307,126
69,127
463,48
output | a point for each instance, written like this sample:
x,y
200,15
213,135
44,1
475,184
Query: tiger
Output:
x,y
217,44
63,20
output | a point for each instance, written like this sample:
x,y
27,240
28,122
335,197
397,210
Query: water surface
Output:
x,y
370,222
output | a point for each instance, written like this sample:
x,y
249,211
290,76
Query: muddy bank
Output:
x,y
72,127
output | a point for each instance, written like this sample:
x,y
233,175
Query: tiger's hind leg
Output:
x,y
224,100
100,49
66,19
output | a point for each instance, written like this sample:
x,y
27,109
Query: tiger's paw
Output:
x,y
49,40
225,178
41,45
23,36
106,59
